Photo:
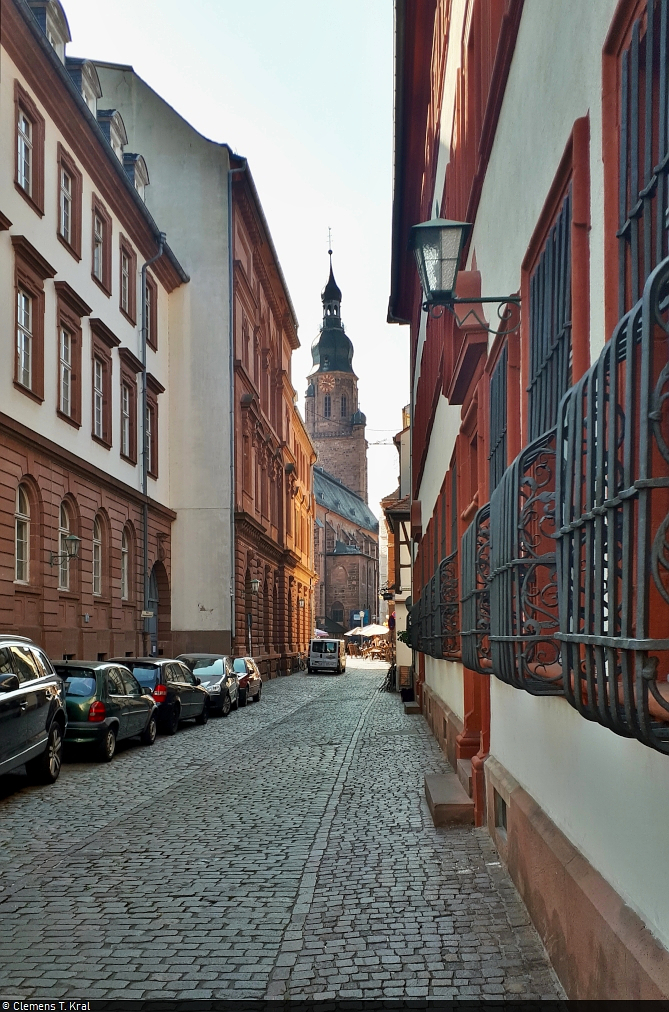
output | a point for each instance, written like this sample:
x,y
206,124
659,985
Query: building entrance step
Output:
x,y
465,775
447,800
412,707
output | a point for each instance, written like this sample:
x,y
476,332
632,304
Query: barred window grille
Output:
x,y
498,419
644,152
613,527
550,326
449,608
523,588
475,603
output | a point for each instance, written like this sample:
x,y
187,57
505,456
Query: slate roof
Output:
x,y
331,494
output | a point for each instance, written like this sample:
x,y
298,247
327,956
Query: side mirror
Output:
x,y
9,683
198,681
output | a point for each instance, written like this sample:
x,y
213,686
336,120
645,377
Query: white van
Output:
x,y
327,655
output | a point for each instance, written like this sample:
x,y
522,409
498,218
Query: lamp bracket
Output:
x,y
55,558
504,312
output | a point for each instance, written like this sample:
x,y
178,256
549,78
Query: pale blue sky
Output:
x,y
303,89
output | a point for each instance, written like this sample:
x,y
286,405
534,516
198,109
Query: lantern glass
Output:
x,y
255,586
437,246
72,543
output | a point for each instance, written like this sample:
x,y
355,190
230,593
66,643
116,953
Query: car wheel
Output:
x,y
148,735
202,718
172,725
256,698
235,705
227,705
107,747
44,769
242,697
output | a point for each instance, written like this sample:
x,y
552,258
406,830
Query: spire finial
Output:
x,y
330,244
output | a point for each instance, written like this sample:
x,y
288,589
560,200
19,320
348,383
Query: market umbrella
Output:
x,y
374,630
354,632
321,632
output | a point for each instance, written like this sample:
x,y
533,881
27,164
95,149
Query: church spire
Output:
x,y
331,296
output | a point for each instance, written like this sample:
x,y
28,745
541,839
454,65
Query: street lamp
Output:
x,y
255,587
300,602
437,246
72,543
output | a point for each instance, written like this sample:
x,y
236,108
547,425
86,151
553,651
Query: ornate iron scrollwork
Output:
x,y
475,602
449,608
613,527
523,585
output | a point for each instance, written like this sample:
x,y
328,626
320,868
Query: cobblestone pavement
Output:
x,y
286,851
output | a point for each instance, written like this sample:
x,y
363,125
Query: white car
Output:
x,y
327,655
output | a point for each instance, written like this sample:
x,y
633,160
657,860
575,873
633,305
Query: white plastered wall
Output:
x,y
195,218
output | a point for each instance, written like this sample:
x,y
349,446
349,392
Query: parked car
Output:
x,y
176,690
219,678
327,655
105,704
32,710
250,680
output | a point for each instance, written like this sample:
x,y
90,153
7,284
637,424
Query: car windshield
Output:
x,y
240,665
80,684
146,674
208,668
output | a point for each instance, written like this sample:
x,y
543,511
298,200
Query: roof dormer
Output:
x,y
136,171
50,16
112,126
86,80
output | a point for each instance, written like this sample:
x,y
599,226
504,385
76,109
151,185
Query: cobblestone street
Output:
x,y
286,851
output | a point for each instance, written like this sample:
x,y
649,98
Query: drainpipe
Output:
x,y
145,459
231,314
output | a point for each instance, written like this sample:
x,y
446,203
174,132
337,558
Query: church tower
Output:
x,y
333,419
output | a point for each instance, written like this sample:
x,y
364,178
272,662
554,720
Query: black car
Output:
x,y
216,673
32,710
176,690
105,703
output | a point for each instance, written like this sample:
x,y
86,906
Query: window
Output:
x,y
66,205
63,532
152,315
25,152
550,325
498,420
70,309
102,343
149,436
29,149
98,398
97,557
125,566
69,203
22,536
65,372
153,389
344,407
125,420
24,339
101,250
31,270
127,281
327,406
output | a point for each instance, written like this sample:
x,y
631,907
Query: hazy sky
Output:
x,y
304,90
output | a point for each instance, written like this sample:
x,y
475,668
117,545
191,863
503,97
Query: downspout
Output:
x,y
231,365
145,458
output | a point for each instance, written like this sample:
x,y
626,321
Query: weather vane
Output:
x,y
330,242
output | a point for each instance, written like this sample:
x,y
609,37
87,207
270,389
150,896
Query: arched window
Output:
x,y
327,406
125,566
63,531
97,557
22,536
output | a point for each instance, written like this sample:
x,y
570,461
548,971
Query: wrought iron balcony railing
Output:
x,y
475,590
523,585
613,527
435,618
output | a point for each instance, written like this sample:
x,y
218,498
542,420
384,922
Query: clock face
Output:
x,y
327,384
